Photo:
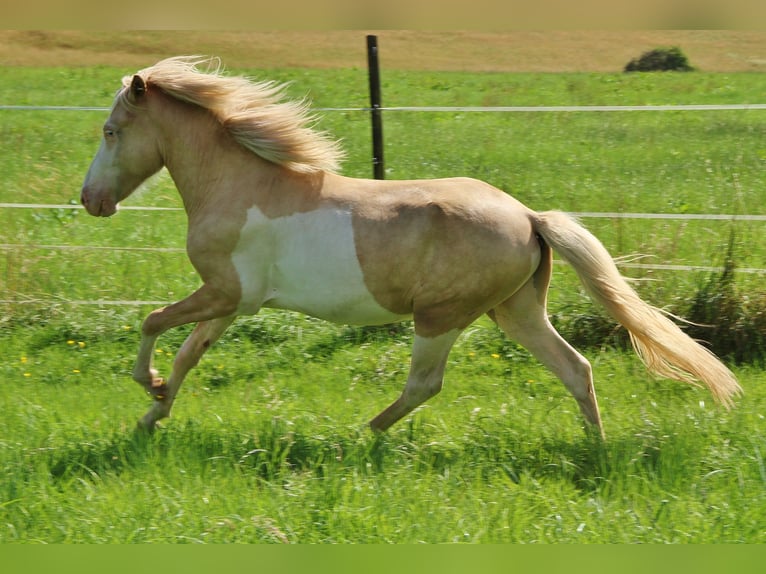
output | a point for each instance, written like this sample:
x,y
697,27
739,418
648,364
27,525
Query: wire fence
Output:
x,y
472,109
584,214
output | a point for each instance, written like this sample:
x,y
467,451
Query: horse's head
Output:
x,y
128,154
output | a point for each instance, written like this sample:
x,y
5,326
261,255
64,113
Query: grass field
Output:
x,y
268,440
589,50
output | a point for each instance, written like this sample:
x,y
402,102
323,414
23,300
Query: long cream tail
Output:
x,y
662,346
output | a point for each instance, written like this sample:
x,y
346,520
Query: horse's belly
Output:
x,y
346,308
327,286
305,262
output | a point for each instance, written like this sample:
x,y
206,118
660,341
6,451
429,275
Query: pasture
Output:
x,y
268,440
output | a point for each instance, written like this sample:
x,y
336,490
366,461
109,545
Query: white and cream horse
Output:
x,y
271,224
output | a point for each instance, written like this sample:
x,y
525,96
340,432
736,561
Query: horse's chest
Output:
x,y
305,262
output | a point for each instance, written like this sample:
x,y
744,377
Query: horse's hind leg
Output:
x,y
523,318
429,358
200,340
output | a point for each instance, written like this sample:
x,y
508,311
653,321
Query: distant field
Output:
x,y
517,51
268,444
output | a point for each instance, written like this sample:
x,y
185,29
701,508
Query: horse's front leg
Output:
x,y
143,371
204,305
200,340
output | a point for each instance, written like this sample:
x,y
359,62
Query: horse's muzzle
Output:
x,y
95,205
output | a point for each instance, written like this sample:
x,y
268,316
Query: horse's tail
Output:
x,y
662,346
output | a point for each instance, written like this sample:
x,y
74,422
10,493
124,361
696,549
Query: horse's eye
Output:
x,y
109,132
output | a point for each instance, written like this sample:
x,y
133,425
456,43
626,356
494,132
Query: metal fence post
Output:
x,y
375,105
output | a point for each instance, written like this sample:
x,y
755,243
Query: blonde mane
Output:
x,y
254,113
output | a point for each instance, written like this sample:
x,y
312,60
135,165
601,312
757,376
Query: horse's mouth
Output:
x,y
99,208
102,209
107,210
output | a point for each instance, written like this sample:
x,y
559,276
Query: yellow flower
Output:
x,y
81,344
75,370
70,342
23,359
495,356
27,374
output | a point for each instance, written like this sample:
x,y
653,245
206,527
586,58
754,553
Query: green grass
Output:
x,y
268,444
268,440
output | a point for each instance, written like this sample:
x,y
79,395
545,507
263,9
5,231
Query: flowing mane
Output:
x,y
255,113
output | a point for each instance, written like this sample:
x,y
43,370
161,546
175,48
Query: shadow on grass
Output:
x,y
276,449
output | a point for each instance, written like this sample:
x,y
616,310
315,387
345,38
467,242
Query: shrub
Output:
x,y
723,318
660,60
732,324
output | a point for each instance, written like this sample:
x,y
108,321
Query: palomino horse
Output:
x,y
271,224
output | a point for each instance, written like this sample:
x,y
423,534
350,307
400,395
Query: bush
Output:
x,y
723,318
732,324
660,60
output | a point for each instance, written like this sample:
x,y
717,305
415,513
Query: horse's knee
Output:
x,y
152,324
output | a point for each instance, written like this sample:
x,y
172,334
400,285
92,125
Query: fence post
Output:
x,y
375,105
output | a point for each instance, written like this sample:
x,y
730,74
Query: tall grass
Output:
x,y
268,440
732,320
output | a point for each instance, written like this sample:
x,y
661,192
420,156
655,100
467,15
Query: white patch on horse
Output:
x,y
305,262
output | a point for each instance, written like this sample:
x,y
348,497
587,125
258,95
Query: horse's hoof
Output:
x,y
142,433
145,429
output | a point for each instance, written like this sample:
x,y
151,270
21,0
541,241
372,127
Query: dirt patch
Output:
x,y
520,51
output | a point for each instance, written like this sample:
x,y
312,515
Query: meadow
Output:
x,y
268,441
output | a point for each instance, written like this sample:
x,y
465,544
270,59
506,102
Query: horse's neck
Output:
x,y
203,159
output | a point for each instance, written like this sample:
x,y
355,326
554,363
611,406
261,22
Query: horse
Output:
x,y
273,224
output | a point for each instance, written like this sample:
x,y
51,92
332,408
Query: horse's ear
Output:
x,y
137,86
